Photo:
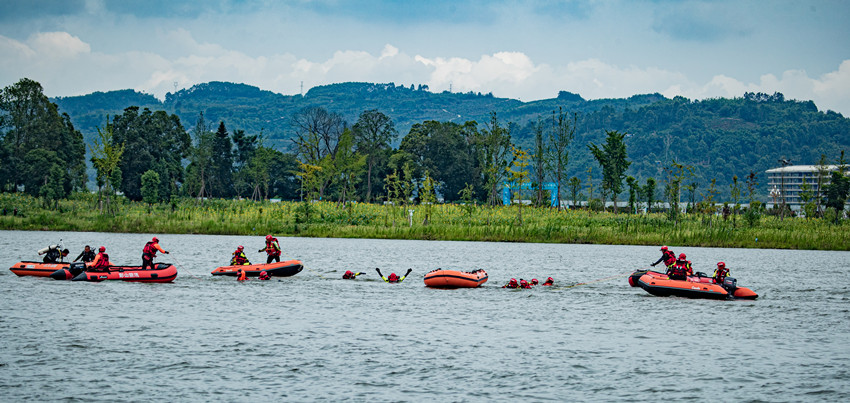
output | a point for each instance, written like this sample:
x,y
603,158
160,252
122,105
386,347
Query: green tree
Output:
x,y
427,197
316,140
156,141
349,166
563,132
575,188
633,193
649,193
106,158
613,159
445,150
753,213
494,145
150,187
838,189
735,191
28,122
199,170
539,159
373,133
519,175
676,174
221,167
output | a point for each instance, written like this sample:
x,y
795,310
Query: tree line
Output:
x,y
149,155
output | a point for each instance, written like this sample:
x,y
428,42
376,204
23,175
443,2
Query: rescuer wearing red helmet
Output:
x,y
511,284
101,261
265,275
272,249
667,256
549,281
393,278
680,270
350,275
239,257
149,253
720,273
523,284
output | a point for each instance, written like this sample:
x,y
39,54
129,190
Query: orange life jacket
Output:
x,y
272,247
102,261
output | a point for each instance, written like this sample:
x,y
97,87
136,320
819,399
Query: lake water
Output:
x,y
316,337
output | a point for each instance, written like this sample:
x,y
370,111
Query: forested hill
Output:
x,y
719,137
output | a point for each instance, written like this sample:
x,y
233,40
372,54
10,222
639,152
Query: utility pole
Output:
x,y
302,88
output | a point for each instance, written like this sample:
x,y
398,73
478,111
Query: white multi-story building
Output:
x,y
790,179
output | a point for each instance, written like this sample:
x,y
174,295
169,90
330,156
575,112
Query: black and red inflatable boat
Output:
x,y
161,273
698,286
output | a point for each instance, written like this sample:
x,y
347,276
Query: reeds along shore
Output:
x,y
429,222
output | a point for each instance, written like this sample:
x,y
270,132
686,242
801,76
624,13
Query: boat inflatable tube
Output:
x,y
38,269
441,278
659,284
162,273
277,269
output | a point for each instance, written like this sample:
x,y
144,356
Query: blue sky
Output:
x,y
518,49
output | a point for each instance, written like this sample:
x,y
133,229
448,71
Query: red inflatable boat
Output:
x,y
277,269
38,269
455,279
162,273
698,286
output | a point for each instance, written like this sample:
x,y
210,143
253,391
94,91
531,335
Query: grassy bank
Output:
x,y
444,222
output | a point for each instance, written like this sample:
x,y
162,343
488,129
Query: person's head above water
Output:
x,y
393,278
534,281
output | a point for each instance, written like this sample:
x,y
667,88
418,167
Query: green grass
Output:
x,y
447,222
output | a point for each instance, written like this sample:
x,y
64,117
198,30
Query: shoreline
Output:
x,y
444,222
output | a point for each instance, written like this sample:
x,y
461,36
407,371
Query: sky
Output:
x,y
526,50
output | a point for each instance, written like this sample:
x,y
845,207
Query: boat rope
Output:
x,y
595,281
304,265
184,269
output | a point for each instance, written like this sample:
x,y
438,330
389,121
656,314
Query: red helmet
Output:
x,y
513,281
393,277
155,239
550,279
664,248
534,281
523,282
721,264
264,275
240,247
268,237
682,256
102,249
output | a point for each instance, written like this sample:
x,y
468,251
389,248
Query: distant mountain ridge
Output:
x,y
719,137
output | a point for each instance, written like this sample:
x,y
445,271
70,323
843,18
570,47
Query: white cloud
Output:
x,y
58,45
829,91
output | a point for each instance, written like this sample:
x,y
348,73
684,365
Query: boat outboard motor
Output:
x,y
72,271
730,284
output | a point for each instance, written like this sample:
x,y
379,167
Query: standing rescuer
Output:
x,y
272,249
149,253
667,256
